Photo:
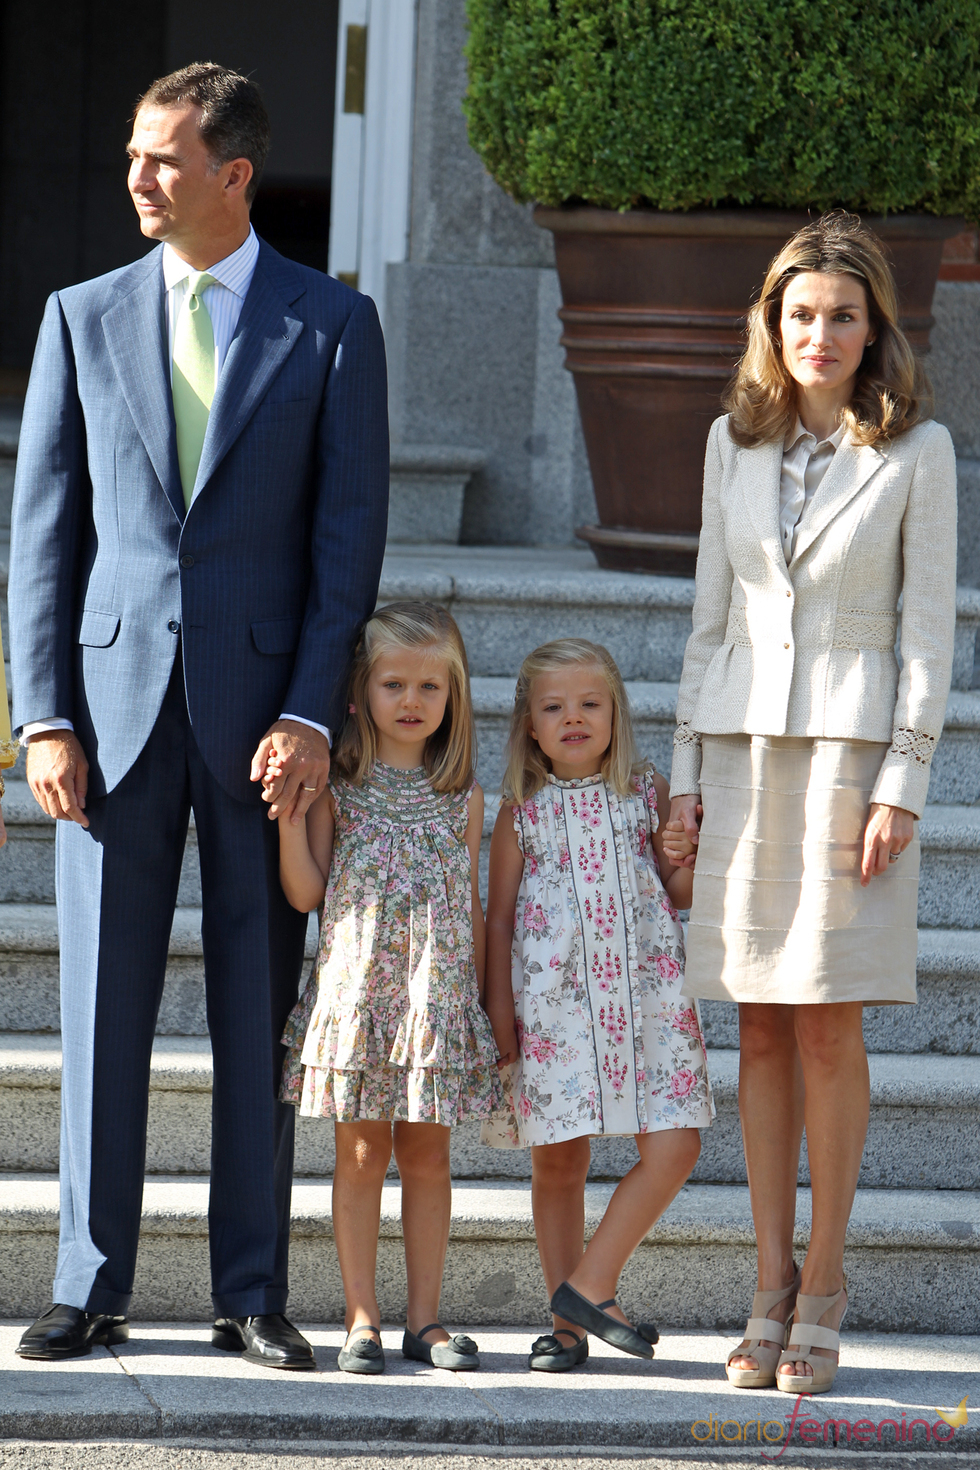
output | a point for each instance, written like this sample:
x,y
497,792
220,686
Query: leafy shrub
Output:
x,y
680,104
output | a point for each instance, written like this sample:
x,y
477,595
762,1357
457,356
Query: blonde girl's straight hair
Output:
x,y
450,753
527,765
892,392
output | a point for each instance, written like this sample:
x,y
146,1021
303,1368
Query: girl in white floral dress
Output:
x,y
585,960
390,1038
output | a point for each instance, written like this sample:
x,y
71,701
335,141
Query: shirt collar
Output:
x,y
798,432
235,271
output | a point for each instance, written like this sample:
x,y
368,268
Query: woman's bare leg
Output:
x,y
558,1173
640,1198
770,1104
363,1155
422,1156
835,1068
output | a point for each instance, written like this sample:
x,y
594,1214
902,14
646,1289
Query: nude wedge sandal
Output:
x,y
761,1328
805,1334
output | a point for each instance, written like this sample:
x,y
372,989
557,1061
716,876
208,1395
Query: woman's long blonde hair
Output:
x,y
892,392
450,754
527,765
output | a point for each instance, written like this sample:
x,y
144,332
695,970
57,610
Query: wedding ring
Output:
x,y
893,857
309,788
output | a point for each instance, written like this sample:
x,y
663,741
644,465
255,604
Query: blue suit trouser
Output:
x,y
117,890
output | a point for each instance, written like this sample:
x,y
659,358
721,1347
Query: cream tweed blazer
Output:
x,y
809,648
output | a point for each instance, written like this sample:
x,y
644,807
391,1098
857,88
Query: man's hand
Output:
x,y
302,758
57,773
684,810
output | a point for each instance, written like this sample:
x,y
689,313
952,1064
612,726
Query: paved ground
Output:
x,y
168,1391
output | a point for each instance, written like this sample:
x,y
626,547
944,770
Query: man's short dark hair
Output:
x,y
234,122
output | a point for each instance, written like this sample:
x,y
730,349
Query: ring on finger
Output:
x,y
893,857
309,788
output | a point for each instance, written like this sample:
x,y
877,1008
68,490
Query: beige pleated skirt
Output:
x,y
779,915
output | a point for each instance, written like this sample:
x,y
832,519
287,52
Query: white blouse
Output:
x,y
805,462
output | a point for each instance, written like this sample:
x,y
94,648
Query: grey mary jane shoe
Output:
x,y
548,1355
460,1354
363,1355
574,1307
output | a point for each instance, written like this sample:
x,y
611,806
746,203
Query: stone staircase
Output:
x,y
915,1231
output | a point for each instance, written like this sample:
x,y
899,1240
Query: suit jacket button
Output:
x,y
187,561
173,626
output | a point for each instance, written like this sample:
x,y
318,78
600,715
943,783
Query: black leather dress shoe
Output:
x,y
271,1340
68,1332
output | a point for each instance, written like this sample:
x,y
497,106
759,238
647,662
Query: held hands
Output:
x,y
889,831
57,773
680,833
504,1034
293,763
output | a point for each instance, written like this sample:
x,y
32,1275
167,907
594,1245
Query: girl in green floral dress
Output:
x,y
390,1038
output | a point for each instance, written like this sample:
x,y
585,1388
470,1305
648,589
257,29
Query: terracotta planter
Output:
x,y
653,316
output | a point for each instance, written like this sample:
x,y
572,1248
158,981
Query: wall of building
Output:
x,y
70,72
471,321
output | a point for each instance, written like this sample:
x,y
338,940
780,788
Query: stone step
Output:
x,y
949,893
913,1256
509,599
29,971
955,775
166,1400
27,861
923,1130
946,1020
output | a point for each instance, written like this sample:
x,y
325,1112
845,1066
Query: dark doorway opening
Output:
x,y
70,71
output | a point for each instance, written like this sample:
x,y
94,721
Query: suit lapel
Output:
x,y
848,472
758,472
266,335
135,334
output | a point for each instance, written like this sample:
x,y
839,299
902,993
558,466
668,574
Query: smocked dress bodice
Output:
x,y
390,1024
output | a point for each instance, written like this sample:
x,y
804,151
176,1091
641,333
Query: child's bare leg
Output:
x,y
363,1155
422,1156
666,1159
558,1173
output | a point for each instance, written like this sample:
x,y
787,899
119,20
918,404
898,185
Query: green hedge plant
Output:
x,y
683,104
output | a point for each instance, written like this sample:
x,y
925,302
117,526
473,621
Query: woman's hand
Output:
x,y
889,831
685,813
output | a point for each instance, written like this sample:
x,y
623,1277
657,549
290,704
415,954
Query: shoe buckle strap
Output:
x,y
765,1329
809,1335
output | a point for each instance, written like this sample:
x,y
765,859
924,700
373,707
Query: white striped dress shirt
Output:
x,y
224,300
805,462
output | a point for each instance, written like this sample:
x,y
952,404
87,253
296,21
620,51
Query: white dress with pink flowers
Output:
x,y
608,1044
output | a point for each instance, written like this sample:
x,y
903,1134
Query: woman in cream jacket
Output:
x,y
828,496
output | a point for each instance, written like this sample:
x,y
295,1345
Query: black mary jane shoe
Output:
x,y
68,1332
574,1307
459,1354
363,1355
548,1355
270,1340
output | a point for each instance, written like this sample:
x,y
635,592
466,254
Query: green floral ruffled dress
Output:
x,y
390,1025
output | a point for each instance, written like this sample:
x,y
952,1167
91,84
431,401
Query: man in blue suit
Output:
x,y
198,527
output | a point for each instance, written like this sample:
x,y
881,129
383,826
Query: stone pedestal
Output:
x,y
426,496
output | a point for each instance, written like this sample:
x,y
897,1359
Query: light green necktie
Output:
x,y
193,379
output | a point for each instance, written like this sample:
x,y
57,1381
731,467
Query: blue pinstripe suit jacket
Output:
x,y
270,571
